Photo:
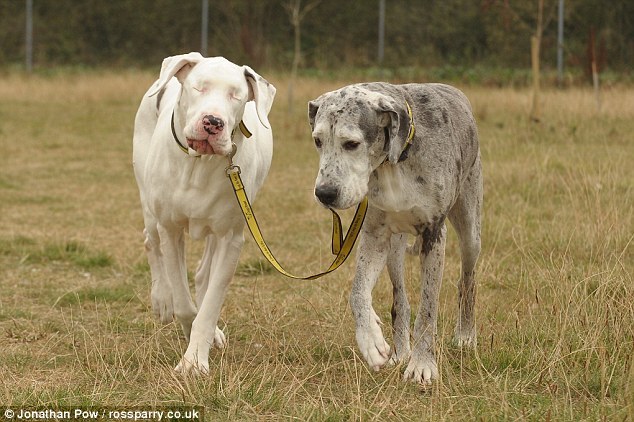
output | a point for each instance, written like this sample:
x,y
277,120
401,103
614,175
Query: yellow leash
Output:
x,y
341,247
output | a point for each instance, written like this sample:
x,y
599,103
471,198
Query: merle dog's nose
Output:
x,y
327,194
212,124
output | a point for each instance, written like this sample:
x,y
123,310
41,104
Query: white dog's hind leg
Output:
x,y
371,258
400,304
204,269
173,258
205,332
422,365
161,293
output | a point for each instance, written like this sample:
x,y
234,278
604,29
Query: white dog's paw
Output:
x,y
421,370
373,346
162,305
192,366
219,341
196,358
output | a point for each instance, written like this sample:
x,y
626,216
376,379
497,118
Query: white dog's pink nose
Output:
x,y
212,124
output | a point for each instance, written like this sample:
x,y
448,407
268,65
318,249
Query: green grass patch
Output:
x,y
30,251
13,313
72,252
99,294
254,267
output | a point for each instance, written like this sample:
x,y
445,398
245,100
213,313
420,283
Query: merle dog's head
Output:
x,y
355,130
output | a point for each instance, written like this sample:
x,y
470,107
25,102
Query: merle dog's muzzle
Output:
x,y
327,194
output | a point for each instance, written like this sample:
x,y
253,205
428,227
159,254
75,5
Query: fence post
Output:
x,y
560,45
29,36
204,32
381,52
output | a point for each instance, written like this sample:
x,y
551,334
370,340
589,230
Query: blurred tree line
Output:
x,y
335,33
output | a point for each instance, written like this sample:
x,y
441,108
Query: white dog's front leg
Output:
x,y
205,332
371,258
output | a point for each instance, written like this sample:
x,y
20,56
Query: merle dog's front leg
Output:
x,y
374,244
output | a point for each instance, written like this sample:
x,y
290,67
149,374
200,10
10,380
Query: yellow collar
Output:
x,y
410,134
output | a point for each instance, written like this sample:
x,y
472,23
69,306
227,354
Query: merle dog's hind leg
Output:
x,y
465,216
400,304
422,366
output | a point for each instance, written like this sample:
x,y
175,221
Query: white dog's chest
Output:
x,y
200,212
193,194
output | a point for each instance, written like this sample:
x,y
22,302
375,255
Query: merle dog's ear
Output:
x,y
178,66
394,118
313,106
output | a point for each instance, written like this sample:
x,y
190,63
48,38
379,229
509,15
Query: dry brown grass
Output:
x,y
556,292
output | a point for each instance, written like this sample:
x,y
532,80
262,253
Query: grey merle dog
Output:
x,y
413,150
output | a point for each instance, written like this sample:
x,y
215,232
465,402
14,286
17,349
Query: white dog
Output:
x,y
183,133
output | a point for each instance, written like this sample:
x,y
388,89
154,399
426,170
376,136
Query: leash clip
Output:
x,y
232,168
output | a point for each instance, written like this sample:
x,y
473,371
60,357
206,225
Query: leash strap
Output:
x,y
341,247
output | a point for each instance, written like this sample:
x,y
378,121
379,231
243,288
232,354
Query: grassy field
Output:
x,y
556,290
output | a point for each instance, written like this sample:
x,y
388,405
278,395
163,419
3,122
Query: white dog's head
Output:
x,y
214,94
355,130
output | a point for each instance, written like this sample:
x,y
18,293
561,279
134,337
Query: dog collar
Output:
x,y
181,146
410,134
241,126
243,129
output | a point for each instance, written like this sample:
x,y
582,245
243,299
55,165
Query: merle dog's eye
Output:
x,y
351,145
318,142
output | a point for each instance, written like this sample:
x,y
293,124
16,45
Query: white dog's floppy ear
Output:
x,y
178,66
262,92
395,119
